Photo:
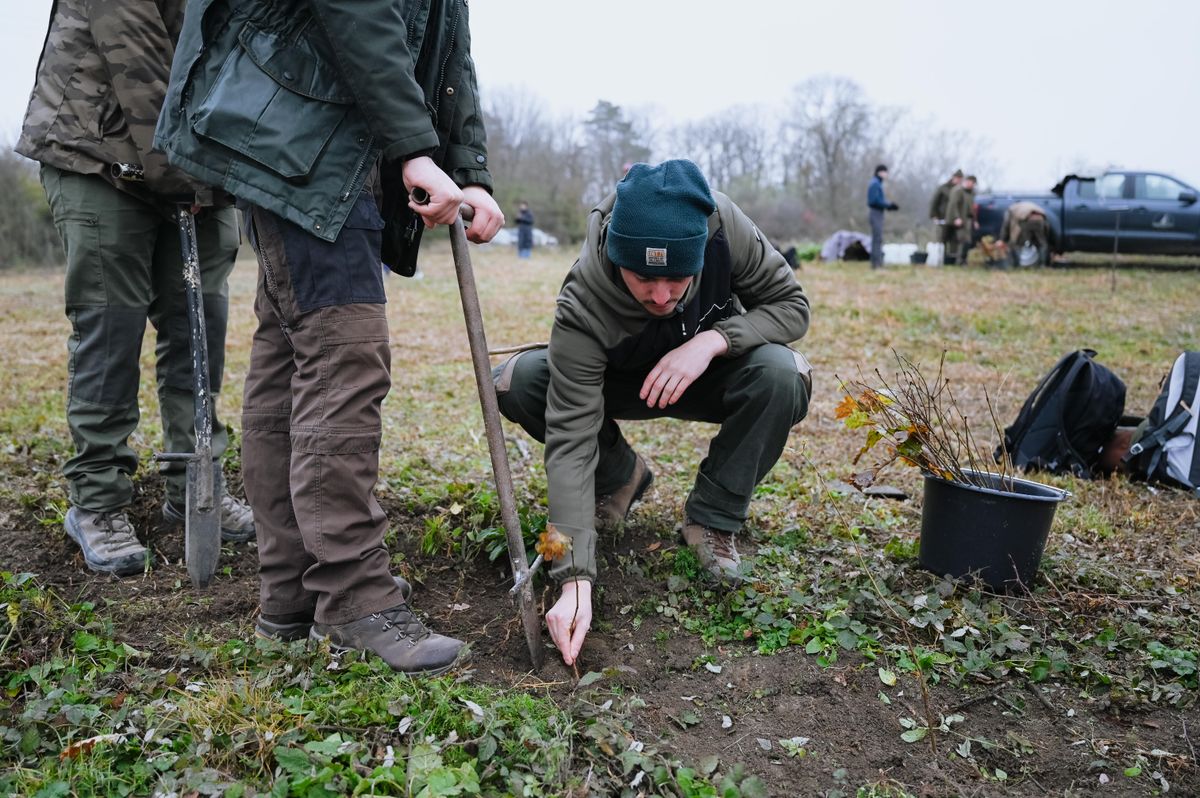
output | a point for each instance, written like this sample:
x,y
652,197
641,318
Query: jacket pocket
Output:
x,y
275,102
345,271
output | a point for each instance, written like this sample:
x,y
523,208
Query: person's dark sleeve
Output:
x,y
466,155
369,42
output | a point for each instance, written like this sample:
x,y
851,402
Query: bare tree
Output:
x,y
613,139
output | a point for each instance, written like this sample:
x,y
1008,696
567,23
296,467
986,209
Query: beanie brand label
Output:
x,y
656,256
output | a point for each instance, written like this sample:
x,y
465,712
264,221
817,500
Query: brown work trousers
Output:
x,y
319,370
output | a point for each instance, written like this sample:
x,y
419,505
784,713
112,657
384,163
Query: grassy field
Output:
x,y
843,670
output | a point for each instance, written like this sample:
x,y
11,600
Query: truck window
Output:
x,y
1156,187
1110,187
1086,189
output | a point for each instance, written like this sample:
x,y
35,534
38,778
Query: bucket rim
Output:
x,y
1061,495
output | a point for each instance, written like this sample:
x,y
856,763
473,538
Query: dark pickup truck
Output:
x,y
1150,213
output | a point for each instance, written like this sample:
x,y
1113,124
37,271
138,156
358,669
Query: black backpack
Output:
x,y
1165,448
1067,419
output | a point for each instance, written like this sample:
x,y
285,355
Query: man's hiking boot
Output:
x,y
296,625
613,508
109,544
714,549
237,520
398,637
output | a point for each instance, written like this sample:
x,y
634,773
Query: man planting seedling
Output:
x,y
677,307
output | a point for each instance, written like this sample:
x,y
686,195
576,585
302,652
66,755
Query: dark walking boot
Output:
x,y
613,508
398,637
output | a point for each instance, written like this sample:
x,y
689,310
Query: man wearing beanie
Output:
x,y
677,307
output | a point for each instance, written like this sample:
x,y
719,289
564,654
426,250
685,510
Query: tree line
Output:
x,y
800,170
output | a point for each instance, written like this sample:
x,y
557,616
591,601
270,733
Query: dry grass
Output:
x,y
1000,332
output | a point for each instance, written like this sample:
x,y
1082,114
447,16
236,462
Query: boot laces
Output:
x,y
116,525
721,544
405,622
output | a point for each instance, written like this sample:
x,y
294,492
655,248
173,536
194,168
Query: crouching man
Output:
x,y
677,307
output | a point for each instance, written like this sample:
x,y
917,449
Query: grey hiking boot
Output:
x,y
714,549
398,637
296,626
613,508
237,520
109,544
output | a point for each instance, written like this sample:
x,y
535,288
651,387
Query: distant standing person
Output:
x,y
100,85
938,203
524,230
960,220
1025,224
877,203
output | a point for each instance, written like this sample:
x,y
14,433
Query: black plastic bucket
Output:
x,y
995,533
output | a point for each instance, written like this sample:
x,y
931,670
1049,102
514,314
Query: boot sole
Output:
x,y
281,632
463,657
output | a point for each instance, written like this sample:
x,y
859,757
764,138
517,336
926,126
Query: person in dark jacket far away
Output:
x,y
960,220
311,112
937,205
524,230
677,307
877,203
100,84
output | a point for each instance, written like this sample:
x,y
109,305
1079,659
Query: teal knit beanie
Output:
x,y
659,224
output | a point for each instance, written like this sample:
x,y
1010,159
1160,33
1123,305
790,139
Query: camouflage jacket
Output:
x,y
100,85
288,104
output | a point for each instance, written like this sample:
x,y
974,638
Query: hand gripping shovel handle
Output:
x,y
491,423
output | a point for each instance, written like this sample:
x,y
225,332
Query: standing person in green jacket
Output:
x,y
317,115
960,221
677,307
100,85
938,203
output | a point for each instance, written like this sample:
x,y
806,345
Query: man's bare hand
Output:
x,y
445,197
680,367
488,217
570,619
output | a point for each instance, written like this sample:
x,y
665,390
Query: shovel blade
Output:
x,y
202,530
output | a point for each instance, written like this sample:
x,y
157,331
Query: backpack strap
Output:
x,y
1173,424
1022,422
1064,444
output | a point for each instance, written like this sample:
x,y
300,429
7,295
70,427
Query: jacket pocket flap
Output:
x,y
293,67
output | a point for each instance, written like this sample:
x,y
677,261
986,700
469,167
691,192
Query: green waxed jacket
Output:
x,y
287,104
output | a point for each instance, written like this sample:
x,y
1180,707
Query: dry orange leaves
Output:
x,y
552,544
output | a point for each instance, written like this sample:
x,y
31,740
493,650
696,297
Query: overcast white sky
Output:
x,y
1052,85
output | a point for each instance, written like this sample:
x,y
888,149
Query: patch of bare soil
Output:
x,y
1041,740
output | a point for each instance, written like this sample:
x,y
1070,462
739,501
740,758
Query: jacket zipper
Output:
x,y
358,168
437,101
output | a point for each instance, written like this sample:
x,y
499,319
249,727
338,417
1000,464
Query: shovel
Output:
x,y
491,424
202,519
